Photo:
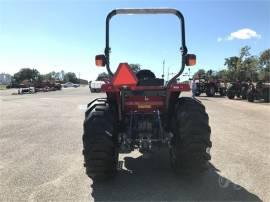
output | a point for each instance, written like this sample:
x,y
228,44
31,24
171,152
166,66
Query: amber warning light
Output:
x,y
124,76
190,59
100,60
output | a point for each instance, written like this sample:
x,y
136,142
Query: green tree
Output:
x,y
26,74
264,59
249,68
50,76
243,67
135,67
233,66
247,65
232,63
223,75
103,76
209,72
58,76
264,64
244,52
200,73
71,77
62,75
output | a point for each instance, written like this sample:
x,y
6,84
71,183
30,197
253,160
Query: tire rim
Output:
x,y
172,158
212,90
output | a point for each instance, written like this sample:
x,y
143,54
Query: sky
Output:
x,y
55,35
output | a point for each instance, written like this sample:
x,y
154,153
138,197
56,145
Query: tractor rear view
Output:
x,y
141,112
210,88
238,89
259,91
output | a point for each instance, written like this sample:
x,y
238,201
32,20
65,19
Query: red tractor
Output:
x,y
141,112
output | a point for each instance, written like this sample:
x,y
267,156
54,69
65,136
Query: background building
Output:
x,y
5,79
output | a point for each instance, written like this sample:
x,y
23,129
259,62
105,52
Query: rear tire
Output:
x,y
222,92
100,140
230,94
210,91
244,92
191,143
250,95
266,94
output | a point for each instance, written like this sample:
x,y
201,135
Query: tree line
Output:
x,y
33,75
241,67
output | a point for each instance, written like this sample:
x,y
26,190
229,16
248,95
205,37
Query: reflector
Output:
x,y
100,60
190,59
124,76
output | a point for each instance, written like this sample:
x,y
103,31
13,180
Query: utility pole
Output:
x,y
163,69
168,73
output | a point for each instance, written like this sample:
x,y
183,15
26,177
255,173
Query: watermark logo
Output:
x,y
234,171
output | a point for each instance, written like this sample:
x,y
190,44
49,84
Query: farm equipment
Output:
x,y
259,91
140,112
38,86
23,88
238,89
210,88
47,85
95,86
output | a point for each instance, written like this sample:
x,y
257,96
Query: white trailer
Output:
x,y
95,86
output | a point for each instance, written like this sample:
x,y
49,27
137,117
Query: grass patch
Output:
x,y
3,87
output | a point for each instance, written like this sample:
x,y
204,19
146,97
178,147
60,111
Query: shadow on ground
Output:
x,y
151,179
215,96
261,101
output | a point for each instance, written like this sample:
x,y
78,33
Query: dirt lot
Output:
x,y
41,160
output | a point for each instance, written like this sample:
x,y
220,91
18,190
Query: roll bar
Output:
x,y
147,11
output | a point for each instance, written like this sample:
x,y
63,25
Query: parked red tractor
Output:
x,y
259,91
140,112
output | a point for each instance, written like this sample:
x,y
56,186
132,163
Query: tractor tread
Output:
x,y
99,145
191,139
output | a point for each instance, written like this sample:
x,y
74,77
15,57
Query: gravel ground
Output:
x,y
41,160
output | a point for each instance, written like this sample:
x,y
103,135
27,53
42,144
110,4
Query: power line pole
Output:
x,y
163,69
168,73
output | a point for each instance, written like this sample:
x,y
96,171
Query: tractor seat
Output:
x,y
148,78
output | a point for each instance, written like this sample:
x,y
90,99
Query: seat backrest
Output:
x,y
151,82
